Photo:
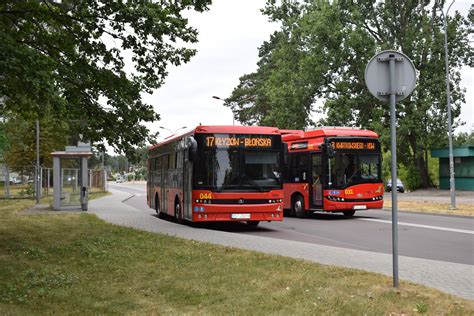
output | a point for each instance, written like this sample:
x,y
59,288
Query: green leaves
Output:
x,y
68,60
20,138
321,52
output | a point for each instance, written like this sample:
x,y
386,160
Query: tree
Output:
x,y
334,41
4,142
464,139
68,60
20,138
280,93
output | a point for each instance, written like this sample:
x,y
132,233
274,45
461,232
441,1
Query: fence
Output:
x,y
19,182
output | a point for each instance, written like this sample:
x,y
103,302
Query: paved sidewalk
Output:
x,y
454,278
433,195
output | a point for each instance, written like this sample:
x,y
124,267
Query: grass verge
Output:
x,y
75,263
432,207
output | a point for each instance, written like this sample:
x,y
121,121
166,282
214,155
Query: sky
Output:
x,y
229,36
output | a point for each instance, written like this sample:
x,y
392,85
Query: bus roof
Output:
x,y
219,129
291,135
315,138
237,129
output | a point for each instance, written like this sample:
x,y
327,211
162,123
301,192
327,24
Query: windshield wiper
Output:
x,y
254,184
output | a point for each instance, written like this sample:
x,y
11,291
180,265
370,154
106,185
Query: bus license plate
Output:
x,y
360,207
240,216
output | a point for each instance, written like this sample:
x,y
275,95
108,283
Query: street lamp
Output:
x,y
250,98
171,132
448,98
218,98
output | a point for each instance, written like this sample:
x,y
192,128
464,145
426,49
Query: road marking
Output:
x,y
454,230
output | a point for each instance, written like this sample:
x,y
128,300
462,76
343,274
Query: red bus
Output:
x,y
335,169
218,173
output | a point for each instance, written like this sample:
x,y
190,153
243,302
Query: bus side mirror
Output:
x,y
191,144
329,149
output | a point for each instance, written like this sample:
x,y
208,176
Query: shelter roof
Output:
x,y
458,151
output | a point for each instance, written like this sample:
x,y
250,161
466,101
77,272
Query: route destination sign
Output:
x,y
353,145
235,141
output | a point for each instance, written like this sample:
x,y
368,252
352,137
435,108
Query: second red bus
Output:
x,y
332,170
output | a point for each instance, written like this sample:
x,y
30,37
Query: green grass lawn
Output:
x,y
74,263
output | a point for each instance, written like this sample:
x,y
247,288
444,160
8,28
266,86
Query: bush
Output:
x,y
410,177
28,191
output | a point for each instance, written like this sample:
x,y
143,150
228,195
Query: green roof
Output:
x,y
459,151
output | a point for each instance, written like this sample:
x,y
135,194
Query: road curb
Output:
x,y
427,213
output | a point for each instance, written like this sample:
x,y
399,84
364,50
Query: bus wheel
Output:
x,y
253,223
349,213
177,212
298,207
157,207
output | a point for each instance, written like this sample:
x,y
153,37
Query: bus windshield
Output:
x,y
222,169
350,169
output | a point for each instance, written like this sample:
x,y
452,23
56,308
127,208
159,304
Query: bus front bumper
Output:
x,y
332,206
235,213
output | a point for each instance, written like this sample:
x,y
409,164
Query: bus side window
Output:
x,y
165,162
151,169
172,161
157,173
179,159
299,166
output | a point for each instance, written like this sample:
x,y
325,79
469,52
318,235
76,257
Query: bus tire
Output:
x,y
177,211
253,223
157,207
349,213
298,207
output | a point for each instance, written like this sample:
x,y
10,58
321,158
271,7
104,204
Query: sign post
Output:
x,y
390,76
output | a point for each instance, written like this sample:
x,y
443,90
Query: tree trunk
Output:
x,y
423,171
419,161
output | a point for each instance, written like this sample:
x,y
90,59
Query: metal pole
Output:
x,y
76,174
40,181
233,117
450,128
103,167
37,170
7,182
104,174
393,136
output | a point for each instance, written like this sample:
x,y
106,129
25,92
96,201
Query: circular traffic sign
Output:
x,y
377,75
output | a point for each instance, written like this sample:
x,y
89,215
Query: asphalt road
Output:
x,y
435,237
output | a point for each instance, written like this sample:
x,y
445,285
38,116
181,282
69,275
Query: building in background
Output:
x,y
463,167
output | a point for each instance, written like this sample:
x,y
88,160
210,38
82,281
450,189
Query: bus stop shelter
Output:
x,y
463,167
70,177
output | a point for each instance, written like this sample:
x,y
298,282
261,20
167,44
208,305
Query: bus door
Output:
x,y
187,186
164,184
316,187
